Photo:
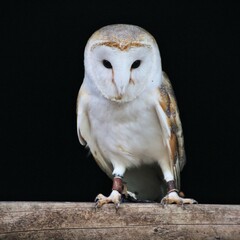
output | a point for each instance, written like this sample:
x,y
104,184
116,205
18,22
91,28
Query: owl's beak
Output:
x,y
121,81
121,91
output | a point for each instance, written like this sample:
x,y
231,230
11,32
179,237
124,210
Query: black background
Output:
x,y
42,46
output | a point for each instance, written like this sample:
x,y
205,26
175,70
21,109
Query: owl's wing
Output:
x,y
169,118
84,131
82,116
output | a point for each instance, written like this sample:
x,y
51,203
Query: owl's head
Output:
x,y
122,61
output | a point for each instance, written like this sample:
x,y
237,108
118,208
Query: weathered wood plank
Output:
x,y
169,232
56,220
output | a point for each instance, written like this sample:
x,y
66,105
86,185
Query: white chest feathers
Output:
x,y
129,133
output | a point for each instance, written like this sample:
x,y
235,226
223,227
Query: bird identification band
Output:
x,y
117,184
171,186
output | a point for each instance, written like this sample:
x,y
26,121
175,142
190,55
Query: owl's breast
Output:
x,y
130,131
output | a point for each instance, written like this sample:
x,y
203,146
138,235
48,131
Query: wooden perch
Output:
x,y
56,220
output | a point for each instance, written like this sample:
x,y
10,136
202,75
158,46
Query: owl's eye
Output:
x,y
136,64
106,64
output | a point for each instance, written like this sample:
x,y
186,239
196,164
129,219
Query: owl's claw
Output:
x,y
100,200
117,205
174,198
114,197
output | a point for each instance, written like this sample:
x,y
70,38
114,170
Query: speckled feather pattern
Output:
x,y
122,34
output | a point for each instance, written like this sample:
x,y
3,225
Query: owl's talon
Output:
x,y
100,200
117,205
164,201
180,202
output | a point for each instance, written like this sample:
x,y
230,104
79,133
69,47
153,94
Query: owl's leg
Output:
x,y
172,191
114,197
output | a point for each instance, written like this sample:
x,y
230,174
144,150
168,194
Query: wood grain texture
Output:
x,y
57,220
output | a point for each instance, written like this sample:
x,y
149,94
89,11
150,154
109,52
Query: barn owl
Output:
x,y
128,117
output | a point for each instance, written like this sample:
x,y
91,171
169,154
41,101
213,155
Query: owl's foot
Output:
x,y
114,197
174,198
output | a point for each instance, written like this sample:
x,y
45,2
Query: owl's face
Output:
x,y
121,70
